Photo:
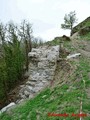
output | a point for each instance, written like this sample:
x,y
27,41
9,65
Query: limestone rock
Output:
x,y
73,55
7,107
30,83
33,55
26,93
31,96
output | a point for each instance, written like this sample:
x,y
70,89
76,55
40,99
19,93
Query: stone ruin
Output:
x,y
43,62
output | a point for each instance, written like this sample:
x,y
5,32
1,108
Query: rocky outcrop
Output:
x,y
63,38
43,62
84,30
81,25
66,38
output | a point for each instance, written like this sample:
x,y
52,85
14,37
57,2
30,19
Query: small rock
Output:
x,y
39,85
28,88
33,55
26,93
22,86
44,81
7,107
19,101
23,96
30,96
73,55
30,83
36,89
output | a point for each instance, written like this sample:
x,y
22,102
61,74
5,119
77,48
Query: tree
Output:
x,y
2,33
13,55
25,33
36,42
13,39
29,35
69,21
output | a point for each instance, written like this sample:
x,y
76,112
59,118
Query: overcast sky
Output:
x,y
45,15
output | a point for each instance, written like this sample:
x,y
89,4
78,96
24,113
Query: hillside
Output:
x,y
69,92
83,24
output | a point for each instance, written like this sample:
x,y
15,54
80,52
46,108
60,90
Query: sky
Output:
x,y
46,16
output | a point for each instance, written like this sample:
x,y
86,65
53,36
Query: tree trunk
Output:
x,y
71,30
26,47
30,44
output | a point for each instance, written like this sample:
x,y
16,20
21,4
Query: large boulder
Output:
x,y
8,107
66,38
81,25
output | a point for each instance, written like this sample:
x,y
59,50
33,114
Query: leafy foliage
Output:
x,y
13,57
69,21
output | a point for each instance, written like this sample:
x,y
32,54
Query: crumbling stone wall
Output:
x,y
43,62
